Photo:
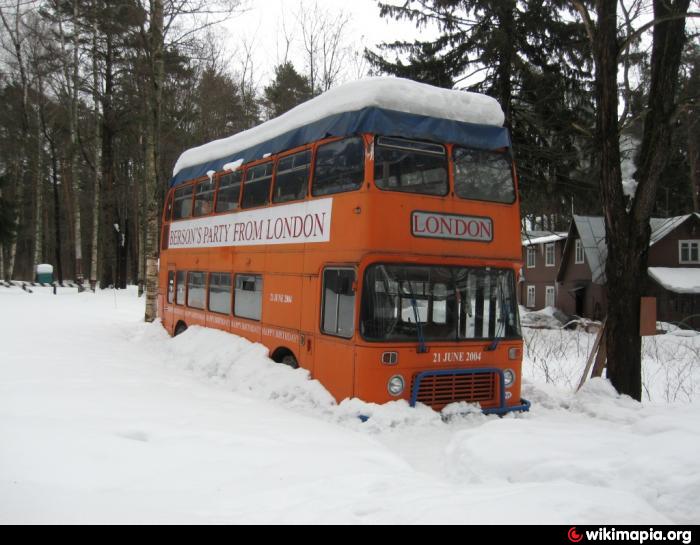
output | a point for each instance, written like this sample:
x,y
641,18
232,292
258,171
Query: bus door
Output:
x,y
334,360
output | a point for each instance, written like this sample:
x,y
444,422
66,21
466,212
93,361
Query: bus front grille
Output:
x,y
440,390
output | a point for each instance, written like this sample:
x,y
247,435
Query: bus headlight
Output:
x,y
509,377
396,385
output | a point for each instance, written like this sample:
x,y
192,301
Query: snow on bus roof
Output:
x,y
386,101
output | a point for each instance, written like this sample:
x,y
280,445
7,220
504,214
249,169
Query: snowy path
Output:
x,y
106,420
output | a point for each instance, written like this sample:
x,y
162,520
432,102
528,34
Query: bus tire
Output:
x,y
290,361
181,327
285,357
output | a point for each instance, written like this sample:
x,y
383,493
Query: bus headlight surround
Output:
x,y
396,385
509,377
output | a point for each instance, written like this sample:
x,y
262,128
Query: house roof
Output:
x,y
531,238
677,279
660,227
591,231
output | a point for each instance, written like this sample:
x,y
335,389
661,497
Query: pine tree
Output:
x,y
535,60
287,90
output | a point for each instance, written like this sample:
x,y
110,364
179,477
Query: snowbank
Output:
x,y
107,420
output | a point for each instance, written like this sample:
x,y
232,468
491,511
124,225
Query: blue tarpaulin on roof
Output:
x,y
368,120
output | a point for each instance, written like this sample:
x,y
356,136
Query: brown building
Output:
x,y
674,269
542,253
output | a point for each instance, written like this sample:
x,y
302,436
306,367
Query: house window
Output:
x,y
531,296
580,256
550,295
550,258
689,252
531,257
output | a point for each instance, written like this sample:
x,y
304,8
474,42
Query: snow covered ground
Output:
x,y
104,419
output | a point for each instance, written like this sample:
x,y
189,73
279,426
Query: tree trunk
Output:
x,y
57,213
75,178
108,274
628,231
153,156
694,163
39,202
19,217
97,152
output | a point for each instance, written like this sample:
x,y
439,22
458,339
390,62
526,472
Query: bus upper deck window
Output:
x,y
292,178
483,175
182,206
256,188
410,166
204,198
229,192
340,167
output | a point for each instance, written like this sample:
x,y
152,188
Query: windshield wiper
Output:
x,y
422,349
501,325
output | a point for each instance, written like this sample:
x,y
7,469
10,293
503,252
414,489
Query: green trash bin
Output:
x,y
44,274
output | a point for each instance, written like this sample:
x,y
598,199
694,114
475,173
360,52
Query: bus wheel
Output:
x,y
181,327
285,357
290,361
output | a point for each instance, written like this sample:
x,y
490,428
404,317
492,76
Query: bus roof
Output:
x,y
387,106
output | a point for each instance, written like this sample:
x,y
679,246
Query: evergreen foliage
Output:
x,y
287,90
532,56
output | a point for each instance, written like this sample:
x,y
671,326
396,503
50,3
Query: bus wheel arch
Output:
x,y
180,328
285,356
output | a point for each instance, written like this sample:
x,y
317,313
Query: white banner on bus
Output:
x,y
298,223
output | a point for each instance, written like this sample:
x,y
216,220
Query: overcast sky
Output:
x,y
262,24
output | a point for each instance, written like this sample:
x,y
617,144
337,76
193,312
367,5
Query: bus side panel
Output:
x,y
335,365
309,321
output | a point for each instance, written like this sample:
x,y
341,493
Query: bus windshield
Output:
x,y
451,304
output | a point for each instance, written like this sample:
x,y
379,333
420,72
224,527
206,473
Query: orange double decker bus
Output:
x,y
370,236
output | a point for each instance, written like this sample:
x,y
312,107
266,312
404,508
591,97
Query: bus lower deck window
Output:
x,y
196,289
171,287
338,302
180,287
220,293
248,297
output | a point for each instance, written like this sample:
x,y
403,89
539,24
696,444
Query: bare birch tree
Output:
x,y
324,40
